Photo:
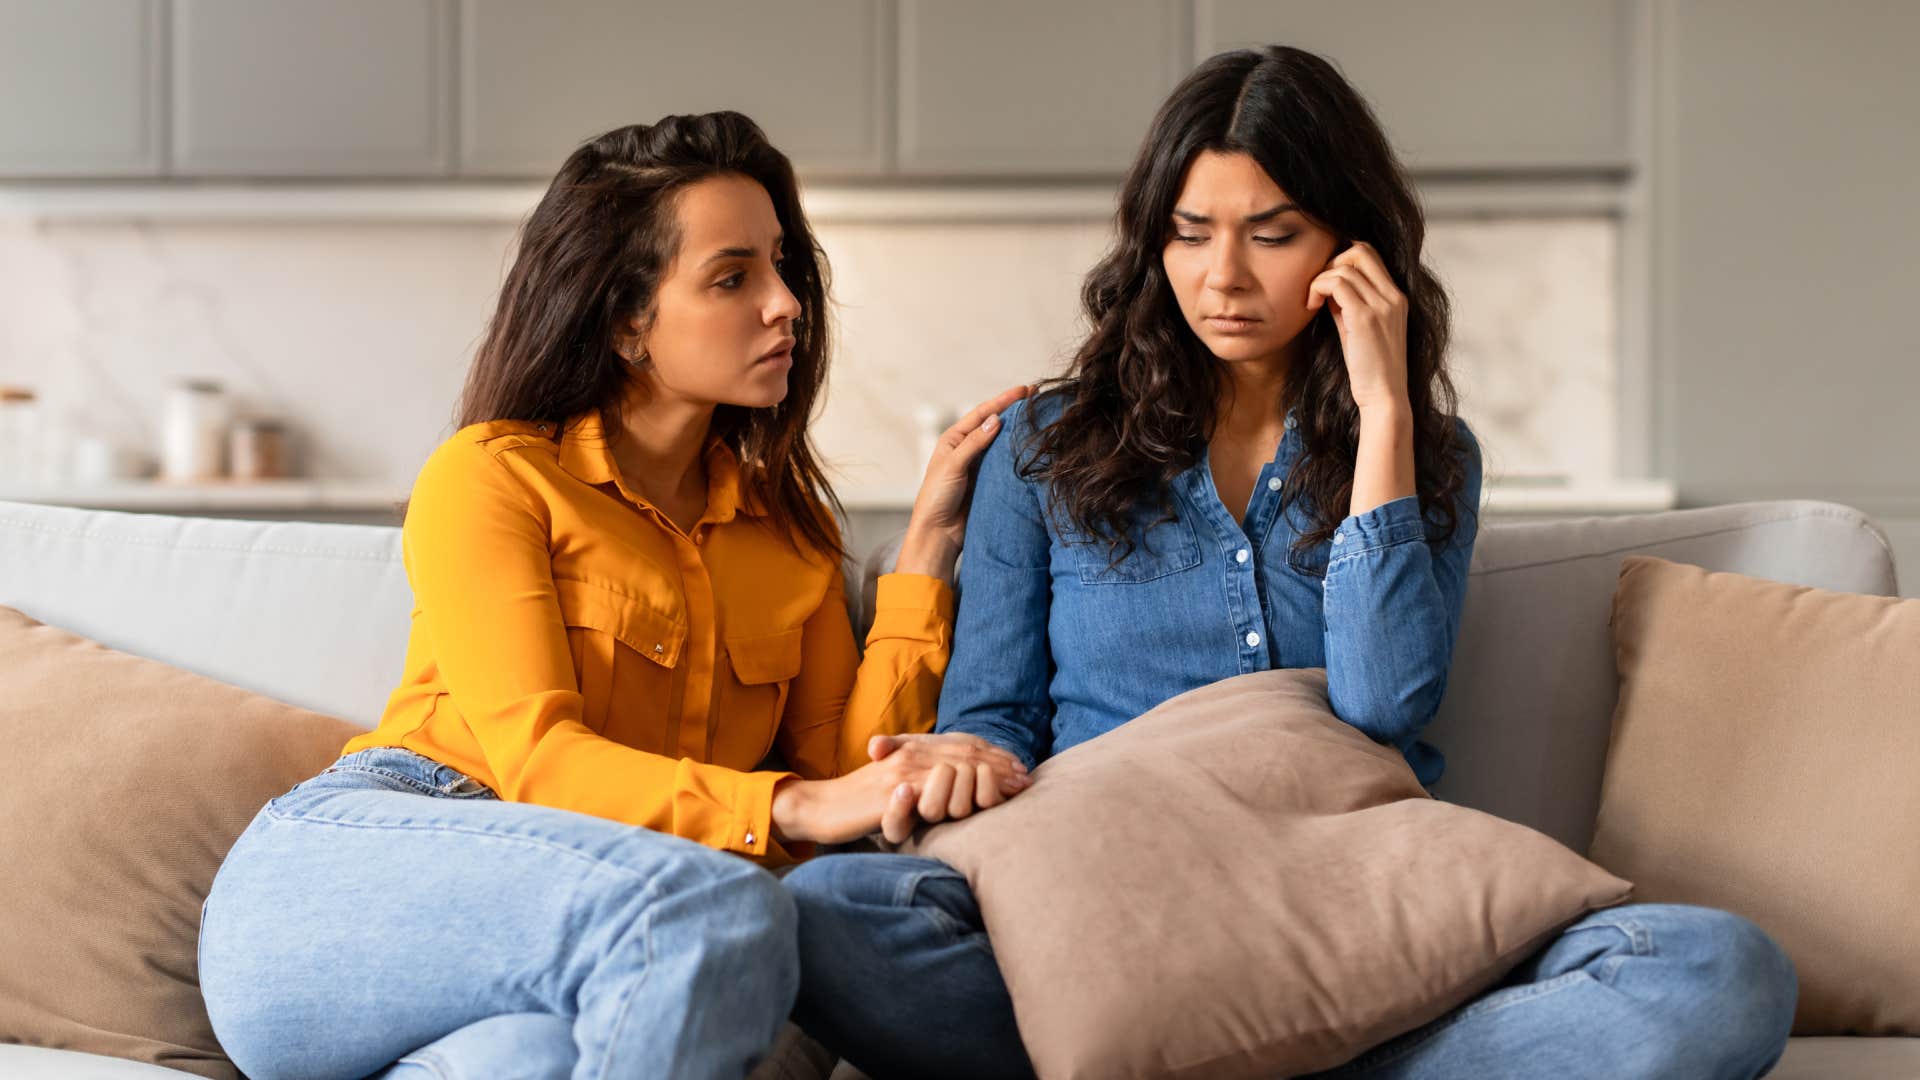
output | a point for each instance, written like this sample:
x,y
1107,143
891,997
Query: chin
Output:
x,y
1239,349
764,396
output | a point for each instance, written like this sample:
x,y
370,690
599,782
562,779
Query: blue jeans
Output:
x,y
898,977
392,916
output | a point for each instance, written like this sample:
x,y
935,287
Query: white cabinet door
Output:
x,y
1468,85
1014,87
80,91
320,88
538,79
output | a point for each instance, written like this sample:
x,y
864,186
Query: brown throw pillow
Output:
x,y
1765,759
123,784
1239,884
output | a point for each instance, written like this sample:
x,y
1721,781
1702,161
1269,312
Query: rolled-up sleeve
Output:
x,y
997,685
1392,604
841,698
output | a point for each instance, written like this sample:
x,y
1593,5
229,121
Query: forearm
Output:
x,y
927,551
1383,464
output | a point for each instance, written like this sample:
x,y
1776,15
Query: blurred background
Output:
x,y
248,246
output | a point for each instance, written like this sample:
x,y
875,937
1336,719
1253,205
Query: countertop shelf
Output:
x,y
276,495
1504,499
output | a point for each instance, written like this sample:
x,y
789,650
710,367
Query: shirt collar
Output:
x,y
586,454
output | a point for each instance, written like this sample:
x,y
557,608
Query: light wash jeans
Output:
x,y
897,975
392,916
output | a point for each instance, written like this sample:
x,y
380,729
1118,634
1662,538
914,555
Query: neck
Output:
x,y
661,439
1250,399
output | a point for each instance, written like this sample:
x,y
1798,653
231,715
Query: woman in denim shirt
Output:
x,y
1253,463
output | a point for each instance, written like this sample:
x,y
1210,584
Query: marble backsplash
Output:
x,y
358,335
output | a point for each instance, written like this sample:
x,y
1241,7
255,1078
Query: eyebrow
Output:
x,y
1250,219
739,252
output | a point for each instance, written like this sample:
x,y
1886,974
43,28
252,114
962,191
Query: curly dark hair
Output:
x,y
1139,400
593,252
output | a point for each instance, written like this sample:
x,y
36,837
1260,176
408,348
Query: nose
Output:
x,y
1227,269
782,306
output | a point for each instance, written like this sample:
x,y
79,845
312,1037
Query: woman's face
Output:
x,y
1240,258
722,328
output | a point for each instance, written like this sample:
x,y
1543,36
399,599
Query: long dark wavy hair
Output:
x,y
1140,399
592,254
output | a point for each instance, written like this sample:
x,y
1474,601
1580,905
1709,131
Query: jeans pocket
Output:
x,y
465,787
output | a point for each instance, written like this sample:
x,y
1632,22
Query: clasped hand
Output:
x,y
912,778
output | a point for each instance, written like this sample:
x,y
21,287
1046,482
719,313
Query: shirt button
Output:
x,y
1253,640
1339,538
1241,556
1273,483
658,648
749,837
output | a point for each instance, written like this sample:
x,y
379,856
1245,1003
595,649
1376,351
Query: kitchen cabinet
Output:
x,y
1469,85
1009,87
80,88
345,88
538,79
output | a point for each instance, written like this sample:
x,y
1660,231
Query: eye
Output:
x,y
1274,241
731,281
1189,239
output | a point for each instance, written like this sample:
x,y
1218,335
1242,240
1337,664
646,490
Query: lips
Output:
x,y
782,351
1232,323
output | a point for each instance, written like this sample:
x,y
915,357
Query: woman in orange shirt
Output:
x,y
628,593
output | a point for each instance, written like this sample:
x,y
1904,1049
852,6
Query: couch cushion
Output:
x,y
1239,884
124,783
1838,1058
37,1063
1764,760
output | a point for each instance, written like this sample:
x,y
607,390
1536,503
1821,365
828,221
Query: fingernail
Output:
x,y
991,422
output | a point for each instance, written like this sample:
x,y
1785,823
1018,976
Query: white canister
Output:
x,y
193,432
930,421
19,435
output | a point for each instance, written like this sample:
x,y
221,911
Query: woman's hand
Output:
x,y
939,519
910,774
970,773
1371,314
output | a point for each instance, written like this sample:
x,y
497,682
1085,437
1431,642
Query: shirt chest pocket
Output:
x,y
763,667
623,651
1161,548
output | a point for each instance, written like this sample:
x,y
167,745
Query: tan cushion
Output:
x,y
124,782
1239,884
1765,759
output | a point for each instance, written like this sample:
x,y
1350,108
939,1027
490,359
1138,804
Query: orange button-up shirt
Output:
x,y
574,648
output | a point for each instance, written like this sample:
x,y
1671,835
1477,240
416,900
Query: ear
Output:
x,y
630,336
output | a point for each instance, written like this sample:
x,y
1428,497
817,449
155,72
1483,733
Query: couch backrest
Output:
x,y
1529,703
317,615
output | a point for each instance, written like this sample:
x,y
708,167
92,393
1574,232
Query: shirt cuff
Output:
x,y
751,830
913,606
1396,521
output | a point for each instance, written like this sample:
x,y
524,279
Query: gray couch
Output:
x,y
317,615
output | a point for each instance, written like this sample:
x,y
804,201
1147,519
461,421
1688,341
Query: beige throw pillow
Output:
x,y
1239,884
123,785
1765,759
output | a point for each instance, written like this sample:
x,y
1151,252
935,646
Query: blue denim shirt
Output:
x,y
1052,646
